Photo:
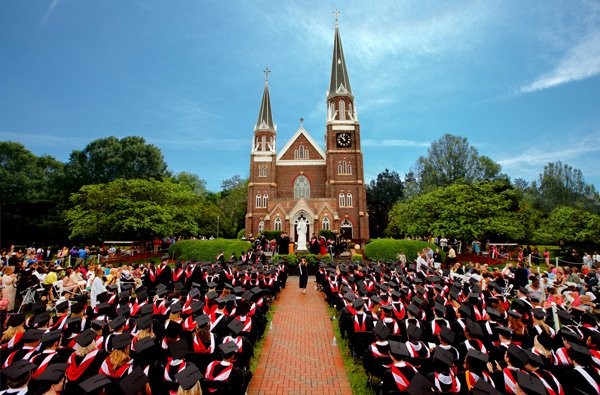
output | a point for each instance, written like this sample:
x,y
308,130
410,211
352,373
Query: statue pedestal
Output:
x,y
301,246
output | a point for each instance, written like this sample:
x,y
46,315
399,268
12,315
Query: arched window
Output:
x,y
301,188
325,225
344,167
266,200
348,199
342,112
262,170
261,227
258,200
277,223
342,200
301,152
346,229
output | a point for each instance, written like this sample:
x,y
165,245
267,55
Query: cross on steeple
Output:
x,y
337,14
267,71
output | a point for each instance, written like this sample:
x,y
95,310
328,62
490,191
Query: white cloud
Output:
x,y
578,63
48,13
395,143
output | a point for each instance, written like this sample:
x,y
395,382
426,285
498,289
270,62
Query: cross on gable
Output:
x,y
267,71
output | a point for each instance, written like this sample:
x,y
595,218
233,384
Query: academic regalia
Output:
x,y
398,377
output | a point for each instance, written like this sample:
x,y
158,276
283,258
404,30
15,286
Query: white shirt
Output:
x,y
97,287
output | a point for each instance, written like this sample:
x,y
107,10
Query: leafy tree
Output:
x,y
452,159
136,209
570,224
232,201
109,158
486,209
382,193
562,185
193,181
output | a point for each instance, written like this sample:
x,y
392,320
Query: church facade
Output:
x,y
303,185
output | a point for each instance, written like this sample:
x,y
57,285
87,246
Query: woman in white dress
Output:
x,y
97,286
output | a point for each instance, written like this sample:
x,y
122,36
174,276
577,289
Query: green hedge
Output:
x,y
327,234
241,234
272,234
207,250
388,249
292,259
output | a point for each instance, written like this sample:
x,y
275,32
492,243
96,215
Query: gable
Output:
x,y
302,147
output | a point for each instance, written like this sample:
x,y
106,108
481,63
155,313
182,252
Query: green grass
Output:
x,y
259,344
354,367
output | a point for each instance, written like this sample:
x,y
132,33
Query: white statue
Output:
x,y
301,231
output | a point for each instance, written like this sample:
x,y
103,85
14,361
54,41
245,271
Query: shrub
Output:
x,y
327,234
388,249
241,234
272,234
292,259
357,258
207,250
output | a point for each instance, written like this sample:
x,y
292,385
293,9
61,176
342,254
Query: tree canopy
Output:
x,y
569,224
382,193
451,159
486,209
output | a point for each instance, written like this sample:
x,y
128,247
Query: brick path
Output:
x,y
298,356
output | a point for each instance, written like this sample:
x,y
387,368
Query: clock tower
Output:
x,y
345,176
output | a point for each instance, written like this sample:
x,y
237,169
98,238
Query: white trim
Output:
x,y
301,131
263,158
292,162
344,127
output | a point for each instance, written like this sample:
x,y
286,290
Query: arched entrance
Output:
x,y
346,229
304,216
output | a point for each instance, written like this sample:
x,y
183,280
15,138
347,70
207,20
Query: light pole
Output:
x,y
218,217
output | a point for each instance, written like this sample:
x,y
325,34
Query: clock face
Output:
x,y
343,140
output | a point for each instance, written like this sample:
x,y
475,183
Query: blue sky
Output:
x,y
520,80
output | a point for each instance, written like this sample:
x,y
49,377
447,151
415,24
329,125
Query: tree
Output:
x,y
137,210
569,224
193,181
486,209
30,193
233,200
452,159
109,158
562,185
382,193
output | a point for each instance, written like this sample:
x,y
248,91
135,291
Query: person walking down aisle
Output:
x,y
303,274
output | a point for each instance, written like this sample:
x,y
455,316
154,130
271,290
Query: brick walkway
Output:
x,y
298,356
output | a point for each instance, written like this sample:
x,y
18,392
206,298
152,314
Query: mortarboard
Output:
x,y
447,334
41,319
504,331
124,294
580,353
569,335
387,308
539,314
440,309
38,307
399,350
358,303
112,288
179,349
493,313
202,320
62,306
161,289
32,335
518,354
16,320
164,258
119,342
419,385
381,330
443,356
85,337
465,310
236,327
482,387
77,308
133,382
178,286
196,306
534,359
18,370
144,344
376,299
414,332
51,337
141,294
414,310
176,307
228,348
478,355
194,292
53,373
144,322
116,323
530,384
124,310
188,377
474,328
524,290
417,301
564,315
514,314
94,383
146,309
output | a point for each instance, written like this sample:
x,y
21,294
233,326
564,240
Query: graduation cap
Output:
x,y
414,310
202,320
236,327
414,332
141,294
133,382
124,310
179,349
504,331
465,310
417,301
228,348
194,292
482,387
564,315
41,319
420,385
189,376
349,296
454,293
477,355
164,258
121,341
77,308
95,383
51,337
447,334
53,373
381,330
176,307
196,306
398,350
144,322
38,307
112,288
580,353
539,314
534,359
440,309
161,289
569,335
85,337
32,335
358,303
18,370
443,356
493,313
515,314
376,299
146,309
518,354
530,384
545,340
16,320
62,306
124,294
178,286
247,295
143,344
387,308
116,323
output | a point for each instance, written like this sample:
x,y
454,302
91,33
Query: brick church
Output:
x,y
322,188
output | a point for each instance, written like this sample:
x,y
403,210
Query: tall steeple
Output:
x,y
265,118
340,83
